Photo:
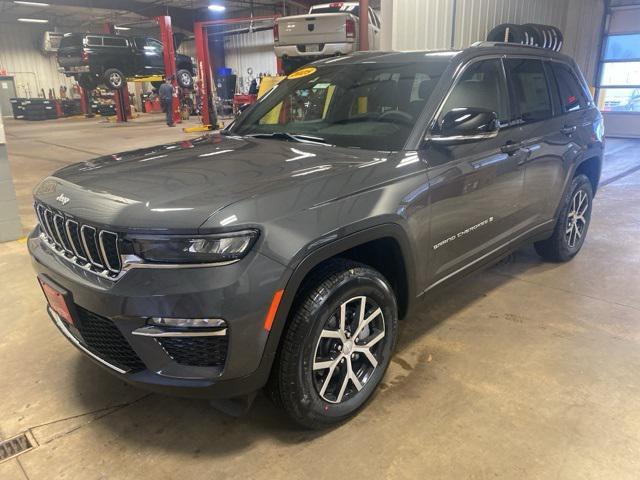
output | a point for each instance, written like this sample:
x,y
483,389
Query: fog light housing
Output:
x,y
187,322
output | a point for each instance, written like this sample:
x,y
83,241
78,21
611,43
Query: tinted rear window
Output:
x,y
114,42
71,41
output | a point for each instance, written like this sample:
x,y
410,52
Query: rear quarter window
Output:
x,y
572,94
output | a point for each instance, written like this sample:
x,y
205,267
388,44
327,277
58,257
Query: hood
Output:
x,y
180,185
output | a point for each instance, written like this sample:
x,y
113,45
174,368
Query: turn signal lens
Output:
x,y
187,322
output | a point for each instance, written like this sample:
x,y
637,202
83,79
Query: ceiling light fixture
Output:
x,y
33,20
116,27
217,7
31,4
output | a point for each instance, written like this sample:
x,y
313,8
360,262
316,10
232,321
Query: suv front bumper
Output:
x,y
111,311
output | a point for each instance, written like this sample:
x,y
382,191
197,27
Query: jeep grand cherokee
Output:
x,y
283,252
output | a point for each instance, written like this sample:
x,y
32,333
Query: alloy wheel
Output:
x,y
115,79
348,350
576,219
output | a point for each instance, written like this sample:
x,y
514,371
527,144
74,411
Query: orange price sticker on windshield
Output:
x,y
303,72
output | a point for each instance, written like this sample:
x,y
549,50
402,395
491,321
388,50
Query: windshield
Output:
x,y
366,105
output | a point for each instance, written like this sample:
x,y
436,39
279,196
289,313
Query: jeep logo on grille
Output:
x,y
63,199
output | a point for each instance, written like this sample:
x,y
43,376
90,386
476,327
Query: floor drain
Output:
x,y
15,446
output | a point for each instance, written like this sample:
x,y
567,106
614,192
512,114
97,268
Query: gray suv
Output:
x,y
283,252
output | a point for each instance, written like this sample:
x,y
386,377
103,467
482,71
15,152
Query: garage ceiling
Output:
x,y
91,14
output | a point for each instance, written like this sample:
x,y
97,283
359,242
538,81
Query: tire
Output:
x,y
184,78
570,230
114,79
516,34
88,82
322,377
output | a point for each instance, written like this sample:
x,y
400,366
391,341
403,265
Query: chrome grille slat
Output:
x,y
90,244
73,231
48,218
58,223
109,249
89,247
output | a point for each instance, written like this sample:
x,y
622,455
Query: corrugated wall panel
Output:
x,y
420,24
426,24
250,50
475,18
20,55
582,31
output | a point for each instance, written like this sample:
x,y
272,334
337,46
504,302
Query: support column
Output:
x,y
208,112
166,36
364,25
10,226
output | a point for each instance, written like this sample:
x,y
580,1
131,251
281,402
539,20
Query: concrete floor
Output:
x,y
525,370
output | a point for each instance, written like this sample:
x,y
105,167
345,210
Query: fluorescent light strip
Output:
x,y
31,4
33,20
216,7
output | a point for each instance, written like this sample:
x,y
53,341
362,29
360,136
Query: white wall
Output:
x,y
253,50
20,55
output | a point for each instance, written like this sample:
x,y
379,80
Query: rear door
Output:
x,y
477,186
548,145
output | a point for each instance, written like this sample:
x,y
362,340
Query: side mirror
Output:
x,y
466,124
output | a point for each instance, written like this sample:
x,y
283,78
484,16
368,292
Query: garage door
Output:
x,y
619,83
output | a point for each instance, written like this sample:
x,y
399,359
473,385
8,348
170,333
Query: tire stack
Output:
x,y
532,34
18,108
71,107
37,109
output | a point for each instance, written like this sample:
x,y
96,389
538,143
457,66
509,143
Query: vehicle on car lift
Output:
x,y
93,59
283,252
328,30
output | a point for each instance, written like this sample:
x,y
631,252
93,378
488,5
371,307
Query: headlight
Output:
x,y
194,249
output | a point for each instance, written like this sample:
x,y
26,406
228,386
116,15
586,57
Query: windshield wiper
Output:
x,y
296,137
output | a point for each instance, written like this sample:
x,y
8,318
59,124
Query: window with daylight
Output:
x,y
620,74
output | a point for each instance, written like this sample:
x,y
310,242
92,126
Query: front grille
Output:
x,y
83,244
102,337
196,351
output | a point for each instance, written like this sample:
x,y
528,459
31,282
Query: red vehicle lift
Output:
x,y
166,37
203,57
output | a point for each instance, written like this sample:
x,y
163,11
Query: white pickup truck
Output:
x,y
328,29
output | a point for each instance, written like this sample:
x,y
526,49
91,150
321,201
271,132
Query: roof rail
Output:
x,y
508,44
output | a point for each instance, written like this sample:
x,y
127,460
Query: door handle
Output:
x,y
568,130
511,148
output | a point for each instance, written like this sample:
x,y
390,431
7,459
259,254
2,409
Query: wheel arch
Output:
x,y
347,247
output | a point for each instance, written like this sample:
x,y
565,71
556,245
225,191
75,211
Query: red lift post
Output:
x,y
166,37
208,114
364,24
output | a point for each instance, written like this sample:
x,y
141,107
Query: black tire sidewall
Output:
x,y
580,182
374,287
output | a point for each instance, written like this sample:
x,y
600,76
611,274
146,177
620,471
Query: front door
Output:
x,y
475,187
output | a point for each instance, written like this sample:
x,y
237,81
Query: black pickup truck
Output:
x,y
93,59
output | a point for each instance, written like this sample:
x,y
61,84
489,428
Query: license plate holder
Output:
x,y
59,299
313,48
